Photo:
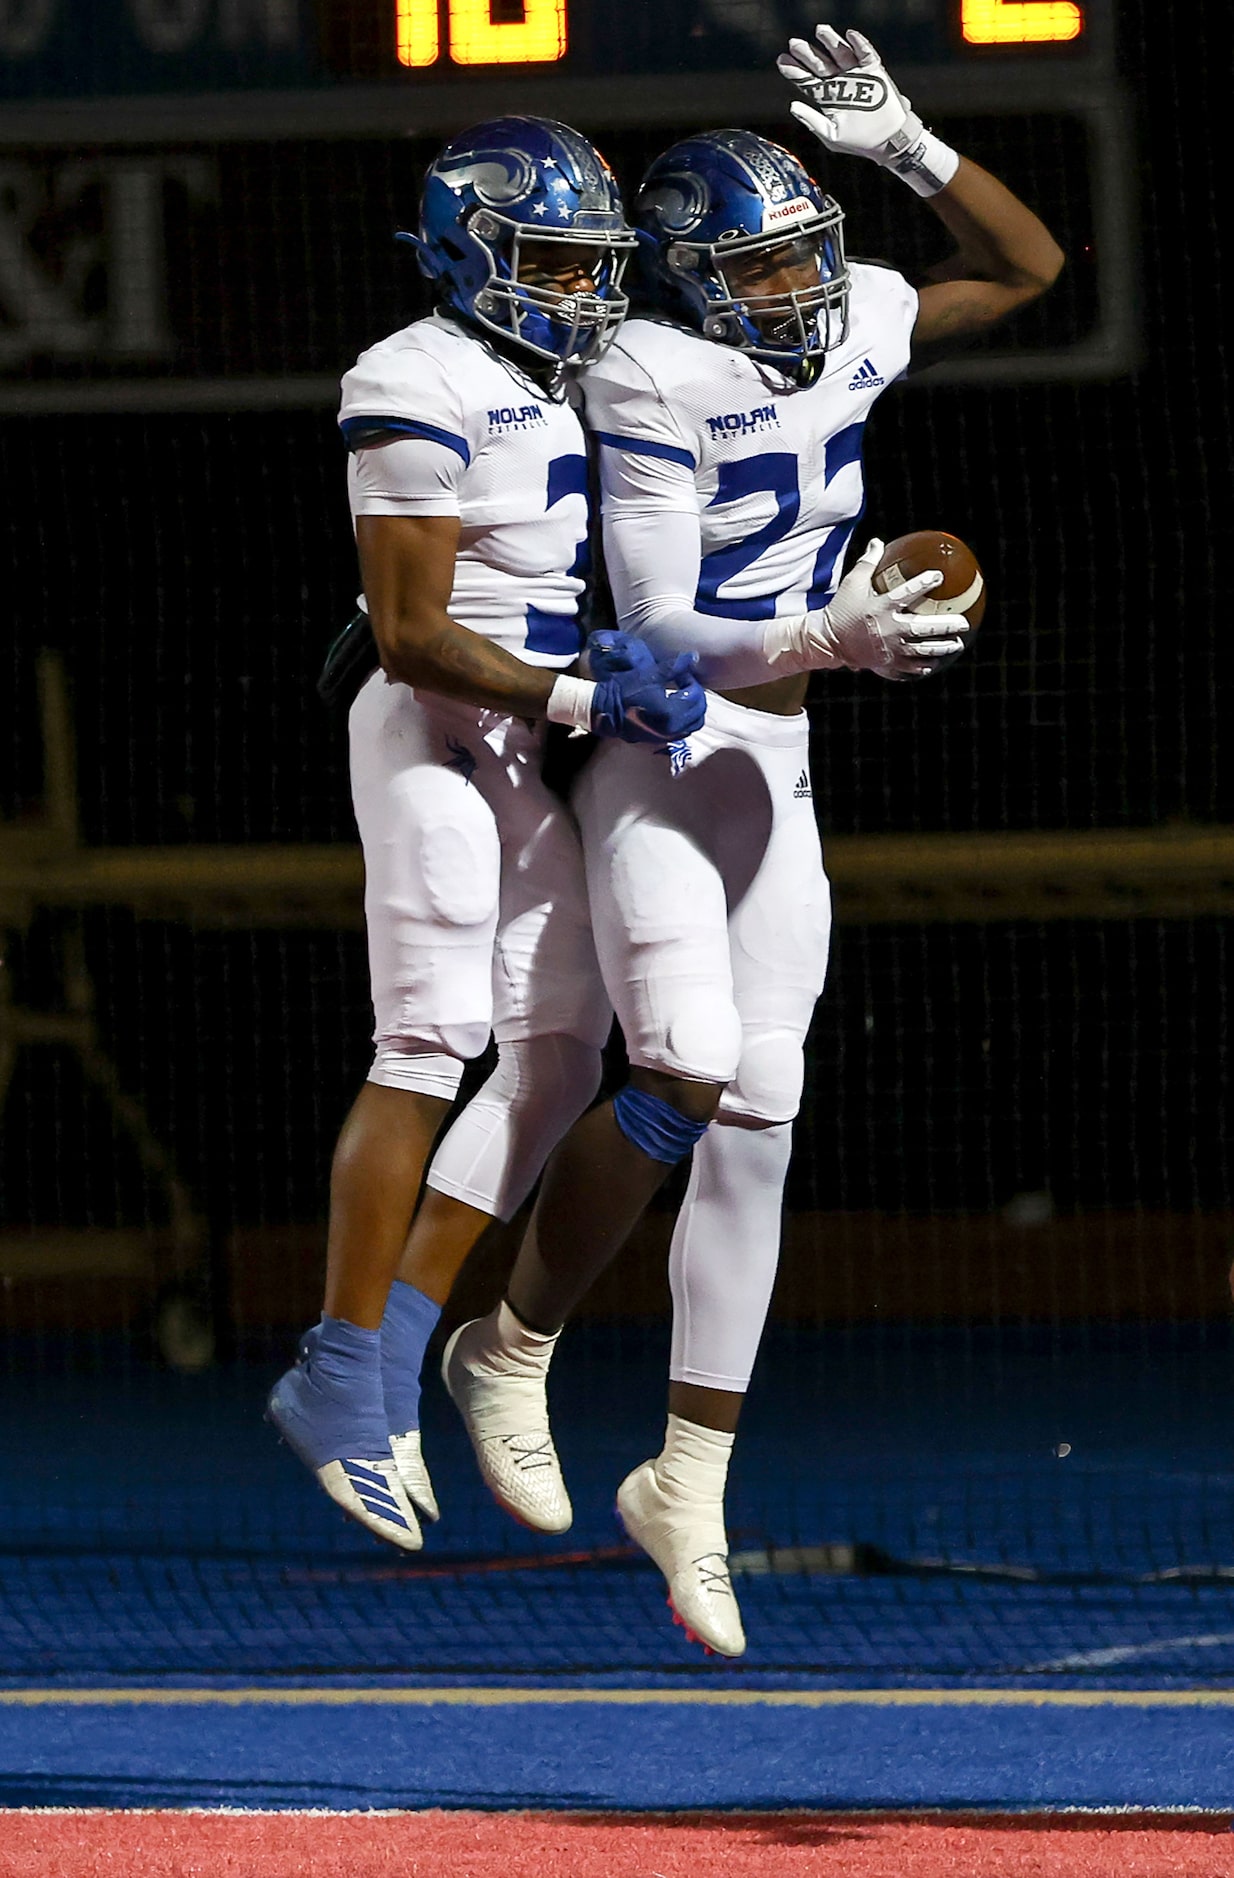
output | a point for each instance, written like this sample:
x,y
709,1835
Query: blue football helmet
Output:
x,y
707,210
501,185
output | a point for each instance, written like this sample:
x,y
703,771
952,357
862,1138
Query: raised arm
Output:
x,y
1004,255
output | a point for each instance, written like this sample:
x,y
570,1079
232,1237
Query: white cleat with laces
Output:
x,y
496,1371
688,1542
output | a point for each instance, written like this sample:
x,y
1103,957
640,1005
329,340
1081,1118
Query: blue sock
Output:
x,y
409,1322
342,1355
330,1405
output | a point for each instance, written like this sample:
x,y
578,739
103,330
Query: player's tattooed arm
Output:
x,y
407,565
1004,258
407,569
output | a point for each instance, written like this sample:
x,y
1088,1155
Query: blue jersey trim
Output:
x,y
558,635
358,431
774,471
644,446
844,448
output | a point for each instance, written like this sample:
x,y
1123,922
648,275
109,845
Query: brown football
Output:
x,y
963,589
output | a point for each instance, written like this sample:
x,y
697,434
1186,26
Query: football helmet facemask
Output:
x,y
510,210
739,242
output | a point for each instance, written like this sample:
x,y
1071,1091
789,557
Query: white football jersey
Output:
x,y
772,469
437,424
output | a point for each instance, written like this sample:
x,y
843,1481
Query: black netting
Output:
x,y
991,1412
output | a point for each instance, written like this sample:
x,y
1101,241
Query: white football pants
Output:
x,y
475,899
712,922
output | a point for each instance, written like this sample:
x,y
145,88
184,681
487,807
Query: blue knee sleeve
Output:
x,y
656,1127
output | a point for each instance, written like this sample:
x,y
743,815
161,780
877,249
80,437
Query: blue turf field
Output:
x,y
631,1757
154,1529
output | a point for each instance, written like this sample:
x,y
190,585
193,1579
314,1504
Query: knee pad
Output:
x,y
768,1083
493,1154
452,857
701,1037
655,1126
546,1082
424,1072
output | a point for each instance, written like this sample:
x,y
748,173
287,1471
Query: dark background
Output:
x,y
191,569
99,52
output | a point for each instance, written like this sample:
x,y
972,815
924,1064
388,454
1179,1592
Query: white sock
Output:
x,y
692,1466
501,1345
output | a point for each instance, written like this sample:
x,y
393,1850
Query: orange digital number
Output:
x,y
1020,22
476,38
417,34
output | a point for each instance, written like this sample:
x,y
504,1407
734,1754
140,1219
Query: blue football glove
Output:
x,y
658,706
607,653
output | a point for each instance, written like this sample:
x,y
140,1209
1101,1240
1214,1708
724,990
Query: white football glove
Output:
x,y
868,631
856,109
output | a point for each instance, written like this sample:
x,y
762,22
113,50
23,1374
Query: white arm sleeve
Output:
x,y
652,554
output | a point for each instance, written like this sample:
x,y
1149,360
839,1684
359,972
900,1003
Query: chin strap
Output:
x,y
428,265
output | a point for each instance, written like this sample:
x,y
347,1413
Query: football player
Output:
x,y
730,423
469,491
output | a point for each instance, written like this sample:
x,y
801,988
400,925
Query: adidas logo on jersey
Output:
x,y
867,377
742,423
516,417
803,788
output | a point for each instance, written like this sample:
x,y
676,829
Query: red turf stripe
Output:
x,y
563,1845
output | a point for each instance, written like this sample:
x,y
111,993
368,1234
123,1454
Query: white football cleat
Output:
x,y
689,1544
505,1412
365,1485
409,1460
373,1494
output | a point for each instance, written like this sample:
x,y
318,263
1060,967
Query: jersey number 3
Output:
x,y
558,633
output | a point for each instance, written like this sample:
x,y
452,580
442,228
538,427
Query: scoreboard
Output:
x,y
102,49
197,196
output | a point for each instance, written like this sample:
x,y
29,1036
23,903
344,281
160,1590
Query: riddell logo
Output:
x,y
796,210
803,788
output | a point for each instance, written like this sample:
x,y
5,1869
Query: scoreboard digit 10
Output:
x,y
477,32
